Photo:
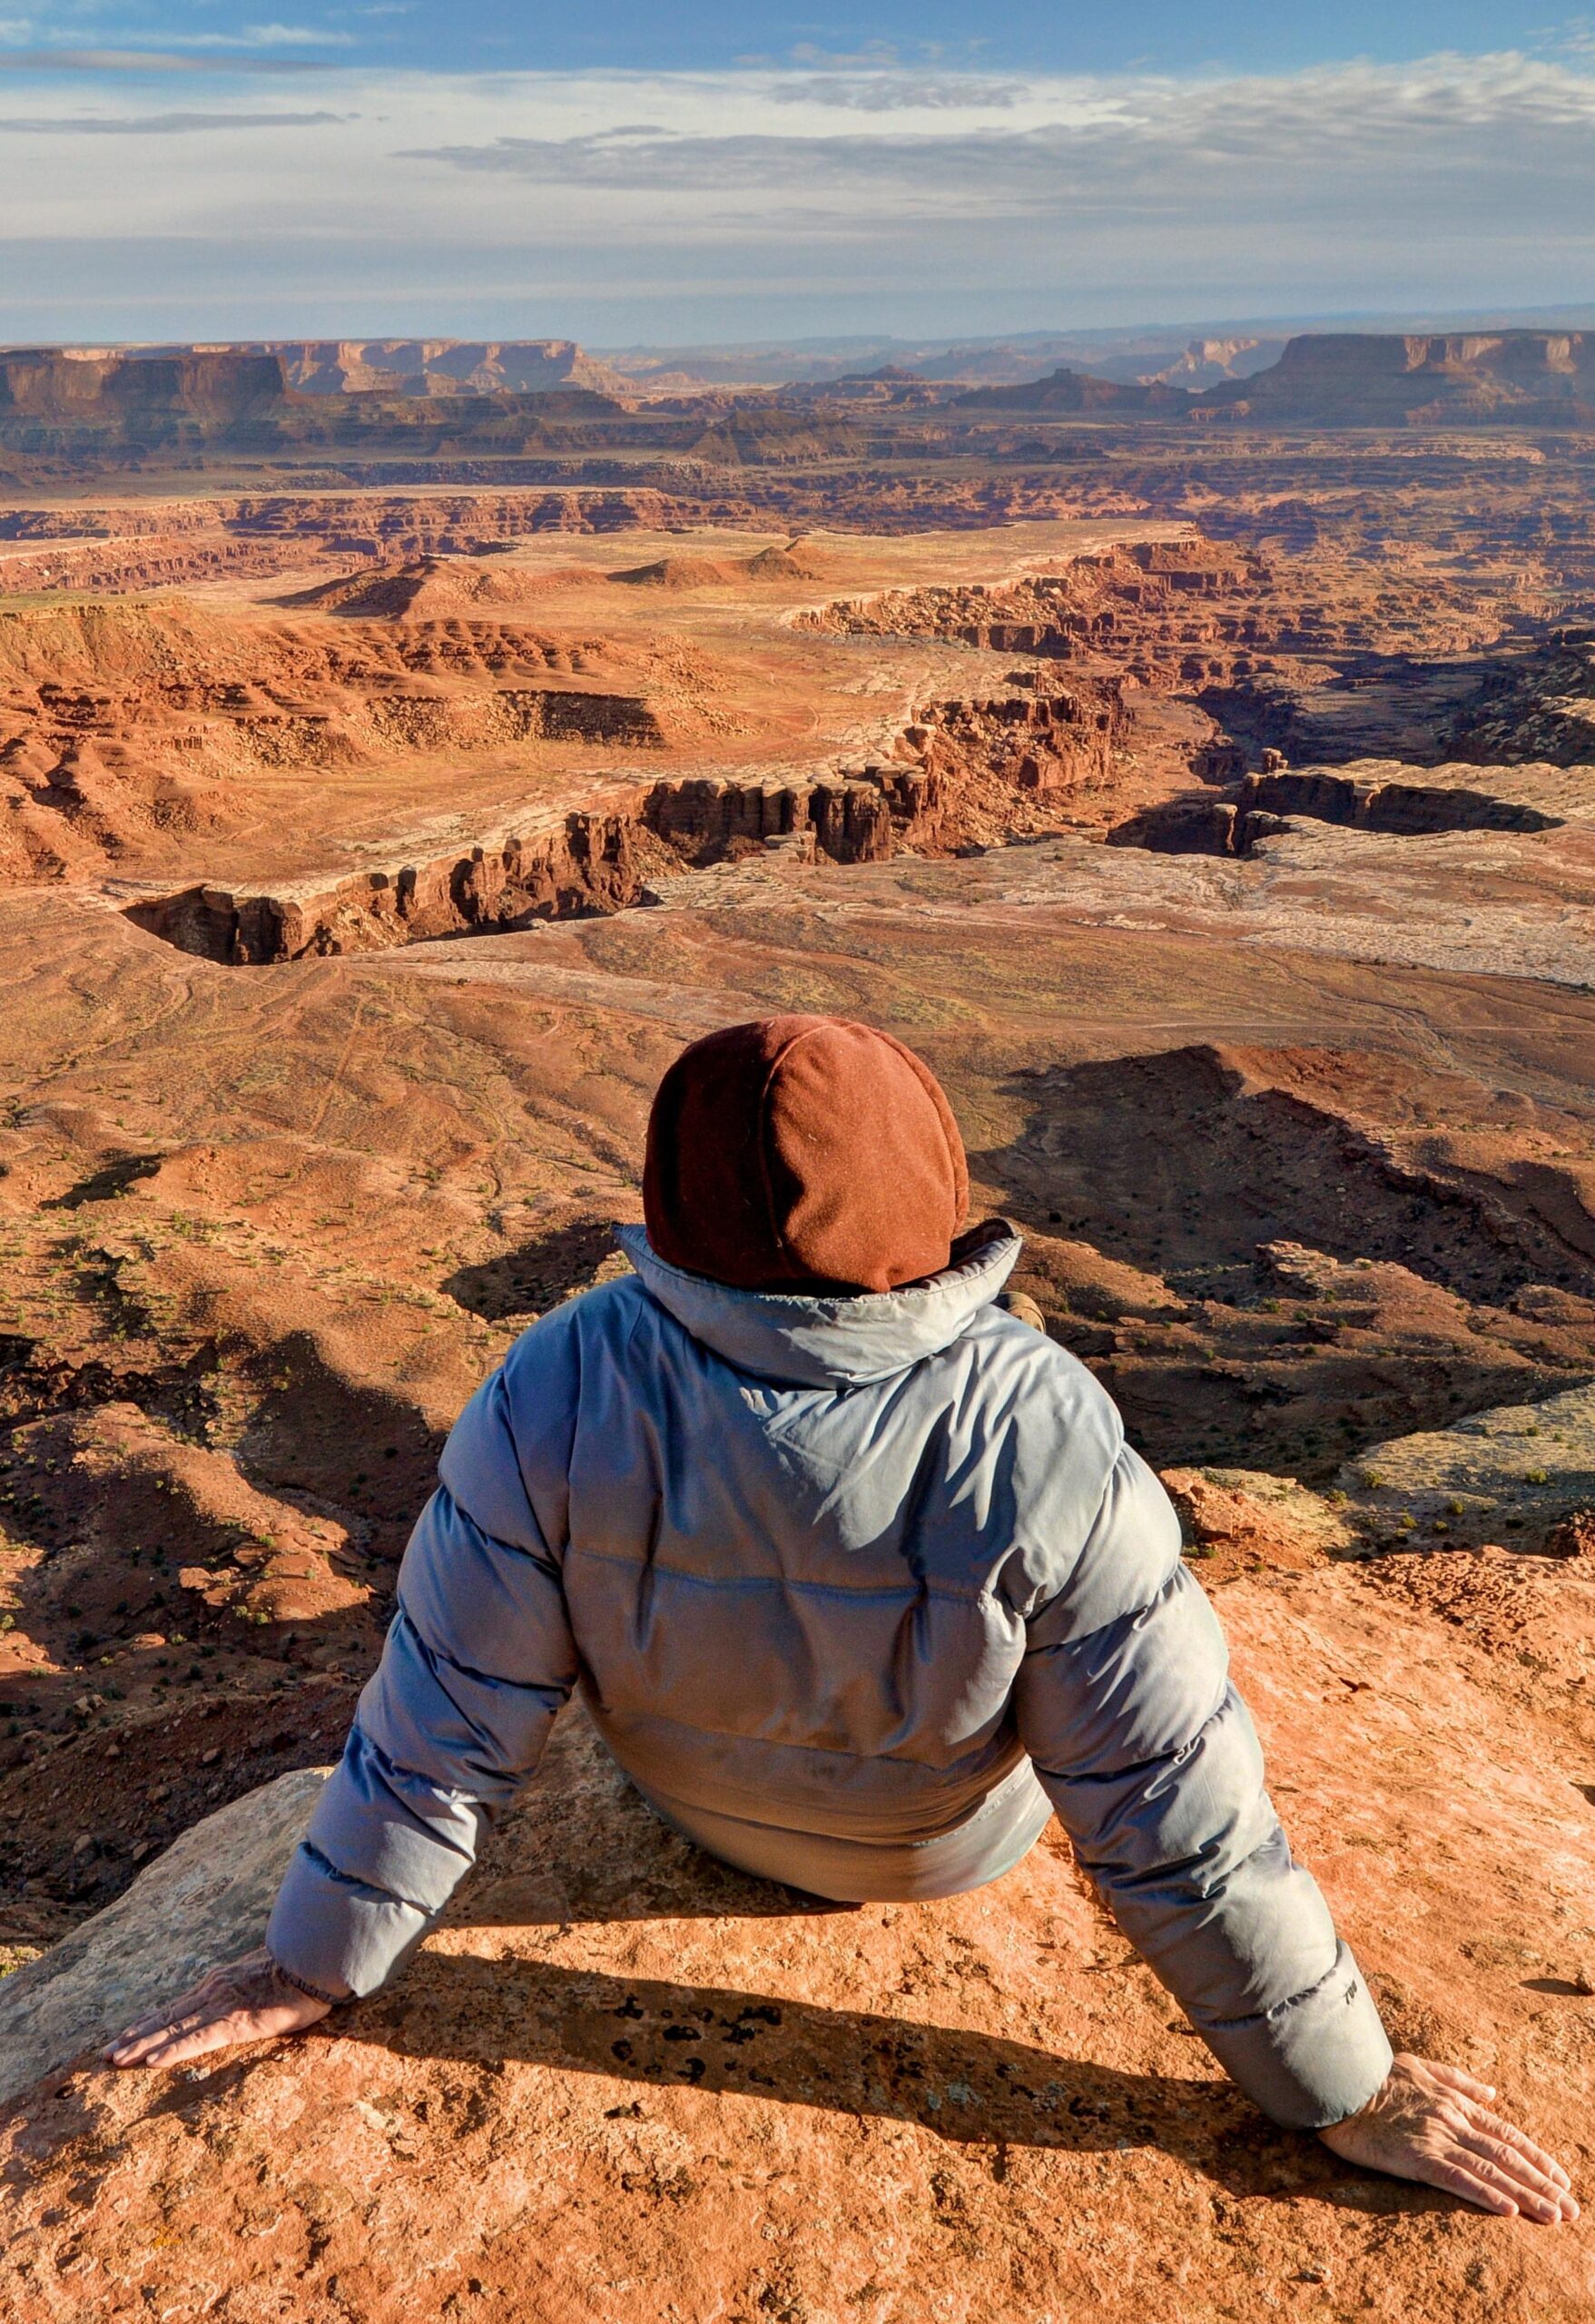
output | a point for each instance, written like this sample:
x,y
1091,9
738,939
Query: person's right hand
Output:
x,y
247,2001
1431,2122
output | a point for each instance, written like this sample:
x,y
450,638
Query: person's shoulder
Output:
x,y
604,1311
1036,1376
524,1413
1079,1527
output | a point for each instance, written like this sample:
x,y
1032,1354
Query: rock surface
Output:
x,y
202,1902
1526,1468
1243,1520
624,2084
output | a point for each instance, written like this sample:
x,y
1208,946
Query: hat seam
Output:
x,y
957,1161
776,1062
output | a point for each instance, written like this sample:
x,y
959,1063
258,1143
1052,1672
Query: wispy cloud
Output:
x,y
158,124
1574,37
148,60
898,92
260,36
171,50
1142,145
285,36
807,196
874,53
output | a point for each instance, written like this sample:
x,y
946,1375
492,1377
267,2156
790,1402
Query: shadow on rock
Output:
x,y
708,1891
966,2086
113,1178
527,1282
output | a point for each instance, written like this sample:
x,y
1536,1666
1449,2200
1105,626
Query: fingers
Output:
x,y
202,2000
1471,2185
1423,2124
1487,2148
156,2021
178,2044
238,2002
1482,2123
152,2020
193,2036
1455,2079
1527,2182
134,2047
1543,2203
159,2031
139,2052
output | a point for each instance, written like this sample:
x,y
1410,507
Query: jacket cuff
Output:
x,y
336,1935
303,1985
1313,2060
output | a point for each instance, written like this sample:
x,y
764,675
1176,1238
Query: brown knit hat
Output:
x,y
803,1153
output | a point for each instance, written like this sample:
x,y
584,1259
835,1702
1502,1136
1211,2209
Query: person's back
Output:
x,y
867,1498
861,1583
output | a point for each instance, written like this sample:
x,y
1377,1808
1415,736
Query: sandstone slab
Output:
x,y
625,2084
203,1902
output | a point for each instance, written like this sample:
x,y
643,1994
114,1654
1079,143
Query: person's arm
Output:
x,y
477,1662
1153,1766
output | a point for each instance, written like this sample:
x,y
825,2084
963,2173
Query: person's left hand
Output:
x,y
247,2001
1433,2123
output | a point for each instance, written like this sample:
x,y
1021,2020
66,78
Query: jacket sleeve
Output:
x,y
1152,1763
477,1662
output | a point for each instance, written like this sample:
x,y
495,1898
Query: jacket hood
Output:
x,y
829,1341
803,1153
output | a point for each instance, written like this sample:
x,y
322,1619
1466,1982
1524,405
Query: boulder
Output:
x,y
204,1901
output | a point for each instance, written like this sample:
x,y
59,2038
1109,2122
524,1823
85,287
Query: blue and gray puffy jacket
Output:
x,y
841,1567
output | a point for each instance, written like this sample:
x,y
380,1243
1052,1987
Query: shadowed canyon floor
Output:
x,y
353,902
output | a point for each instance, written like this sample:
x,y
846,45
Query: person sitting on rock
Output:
x,y
861,1584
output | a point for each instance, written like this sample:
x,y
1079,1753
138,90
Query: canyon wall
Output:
x,y
1372,795
1369,379
448,400
956,756
442,366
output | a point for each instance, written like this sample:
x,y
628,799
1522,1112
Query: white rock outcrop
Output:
x,y
204,1901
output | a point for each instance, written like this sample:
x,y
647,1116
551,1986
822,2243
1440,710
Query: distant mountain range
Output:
x,y
506,394
433,366
1357,380
455,366
1139,356
1195,354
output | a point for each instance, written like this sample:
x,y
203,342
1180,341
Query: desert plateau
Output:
x,y
406,748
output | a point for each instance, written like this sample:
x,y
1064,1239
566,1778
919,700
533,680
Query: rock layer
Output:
x,y
958,758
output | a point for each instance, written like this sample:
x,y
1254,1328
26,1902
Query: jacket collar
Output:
x,y
837,1342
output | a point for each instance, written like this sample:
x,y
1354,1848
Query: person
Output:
x,y
861,1583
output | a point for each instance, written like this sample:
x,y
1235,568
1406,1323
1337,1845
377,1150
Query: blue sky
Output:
x,y
1052,35
210,169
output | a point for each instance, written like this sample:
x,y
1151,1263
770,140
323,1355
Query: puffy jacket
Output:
x,y
836,1565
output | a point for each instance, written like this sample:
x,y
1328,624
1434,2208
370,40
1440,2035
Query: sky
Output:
x,y
621,174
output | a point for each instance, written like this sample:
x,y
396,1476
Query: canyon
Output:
x,y
393,777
